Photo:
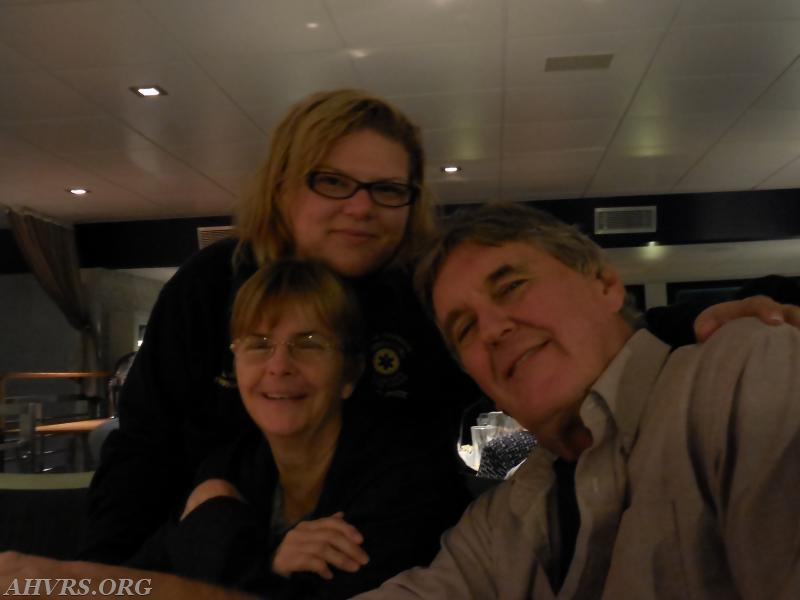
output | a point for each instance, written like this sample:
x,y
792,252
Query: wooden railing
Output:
x,y
6,377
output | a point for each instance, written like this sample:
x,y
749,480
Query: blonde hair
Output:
x,y
299,144
291,283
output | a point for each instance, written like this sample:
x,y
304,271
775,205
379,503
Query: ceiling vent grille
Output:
x,y
625,219
208,235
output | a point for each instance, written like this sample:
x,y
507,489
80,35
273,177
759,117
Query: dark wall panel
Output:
x,y
682,219
140,244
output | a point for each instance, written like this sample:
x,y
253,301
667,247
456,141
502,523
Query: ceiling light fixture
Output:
x,y
451,169
78,191
148,91
312,25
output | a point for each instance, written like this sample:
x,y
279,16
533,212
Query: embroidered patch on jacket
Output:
x,y
388,357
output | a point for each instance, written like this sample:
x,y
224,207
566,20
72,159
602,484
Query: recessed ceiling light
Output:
x,y
356,53
78,191
148,91
451,169
312,25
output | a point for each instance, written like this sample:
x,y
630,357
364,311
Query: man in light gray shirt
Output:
x,y
659,474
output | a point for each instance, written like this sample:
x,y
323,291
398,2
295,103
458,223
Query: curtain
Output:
x,y
49,249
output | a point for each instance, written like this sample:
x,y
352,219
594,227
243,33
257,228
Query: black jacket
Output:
x,y
180,402
397,494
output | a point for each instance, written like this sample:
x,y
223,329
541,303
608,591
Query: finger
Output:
x,y
322,542
332,524
714,317
792,314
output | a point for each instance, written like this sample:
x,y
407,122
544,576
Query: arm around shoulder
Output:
x,y
759,488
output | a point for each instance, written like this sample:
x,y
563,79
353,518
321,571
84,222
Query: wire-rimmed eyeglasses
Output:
x,y
303,347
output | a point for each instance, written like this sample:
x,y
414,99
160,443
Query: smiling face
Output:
x,y
533,333
293,396
353,236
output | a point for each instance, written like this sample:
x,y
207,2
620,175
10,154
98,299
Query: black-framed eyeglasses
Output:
x,y
338,186
303,347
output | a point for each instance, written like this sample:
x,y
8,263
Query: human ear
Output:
x,y
612,288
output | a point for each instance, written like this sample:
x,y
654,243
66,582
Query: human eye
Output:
x,y
331,184
509,287
258,344
333,179
310,343
391,192
390,188
463,331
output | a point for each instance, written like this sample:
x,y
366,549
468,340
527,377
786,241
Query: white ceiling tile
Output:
x,y
80,135
90,33
465,192
463,110
12,61
784,93
153,174
38,95
673,131
787,177
10,145
579,161
205,201
436,68
525,138
268,79
765,125
658,97
552,17
231,165
735,49
194,109
631,173
548,174
632,51
455,145
739,165
735,11
568,101
33,165
388,22
215,28
521,185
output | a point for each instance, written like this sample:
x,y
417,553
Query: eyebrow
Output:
x,y
491,279
329,169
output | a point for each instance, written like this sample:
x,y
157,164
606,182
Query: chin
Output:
x,y
355,267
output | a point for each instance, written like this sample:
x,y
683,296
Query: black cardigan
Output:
x,y
390,487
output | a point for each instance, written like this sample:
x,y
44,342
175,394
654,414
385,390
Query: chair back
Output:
x,y
18,432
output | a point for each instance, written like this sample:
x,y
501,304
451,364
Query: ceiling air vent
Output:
x,y
208,235
625,219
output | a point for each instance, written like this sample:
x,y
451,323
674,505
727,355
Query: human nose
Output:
x,y
494,324
359,204
281,360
